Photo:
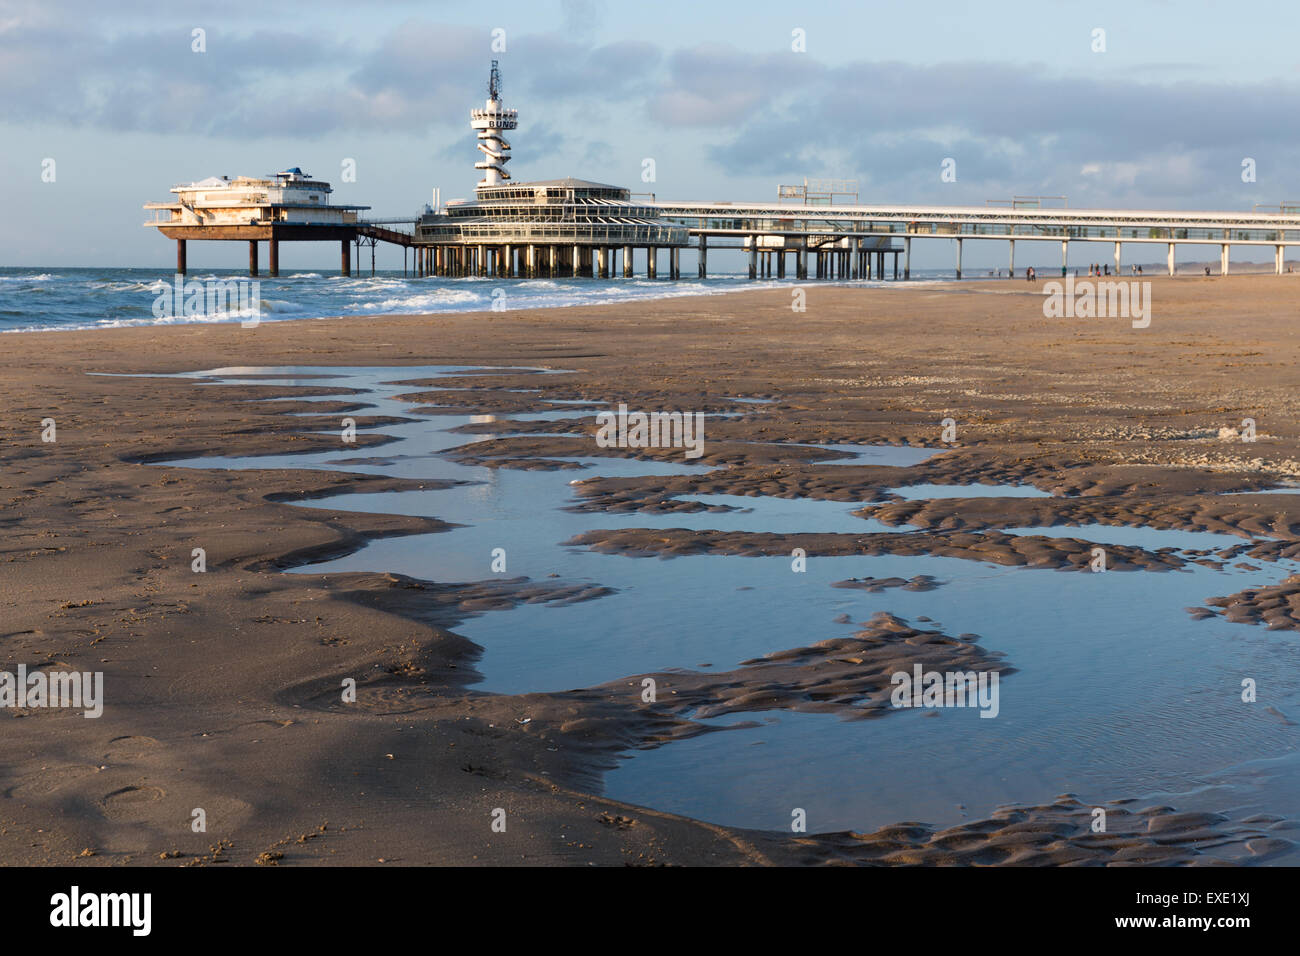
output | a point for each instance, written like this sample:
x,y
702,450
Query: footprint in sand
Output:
x,y
130,747
131,804
48,780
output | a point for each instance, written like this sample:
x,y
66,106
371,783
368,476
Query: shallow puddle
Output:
x,y
896,456
1118,692
923,492
1149,539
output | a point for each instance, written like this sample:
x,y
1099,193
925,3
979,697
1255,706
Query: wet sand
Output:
x,y
222,688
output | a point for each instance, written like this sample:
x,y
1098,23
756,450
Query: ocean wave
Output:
x,y
82,301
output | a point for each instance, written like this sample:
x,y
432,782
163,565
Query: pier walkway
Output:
x,y
839,233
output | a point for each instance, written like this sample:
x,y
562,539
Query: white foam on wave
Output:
x,y
90,302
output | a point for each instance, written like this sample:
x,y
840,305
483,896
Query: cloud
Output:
x,y
417,76
720,85
1011,129
1021,128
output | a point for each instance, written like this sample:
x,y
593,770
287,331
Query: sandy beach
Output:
x,y
222,688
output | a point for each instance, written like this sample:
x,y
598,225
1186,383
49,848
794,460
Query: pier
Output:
x,y
578,228
838,235
289,206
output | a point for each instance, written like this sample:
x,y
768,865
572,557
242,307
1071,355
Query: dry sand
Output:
x,y
222,688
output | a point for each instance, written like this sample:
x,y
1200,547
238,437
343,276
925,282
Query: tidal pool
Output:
x,y
1118,691
923,492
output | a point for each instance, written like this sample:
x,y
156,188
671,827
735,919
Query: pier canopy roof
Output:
x,y
551,211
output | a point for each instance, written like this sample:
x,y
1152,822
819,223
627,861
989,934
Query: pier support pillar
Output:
x,y
1171,258
895,265
780,264
602,261
1065,255
907,258
273,247
1011,259
1277,259
345,259
530,264
704,257
675,262
1117,258
753,257
1223,259
801,263
627,262
958,257
508,266
180,257
252,257
652,262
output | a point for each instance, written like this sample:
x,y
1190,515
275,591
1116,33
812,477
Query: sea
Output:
x,y
36,299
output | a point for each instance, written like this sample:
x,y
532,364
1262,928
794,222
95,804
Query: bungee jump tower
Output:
x,y
548,228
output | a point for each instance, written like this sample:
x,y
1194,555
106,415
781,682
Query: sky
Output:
x,y
1158,110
